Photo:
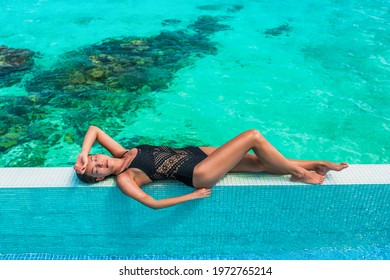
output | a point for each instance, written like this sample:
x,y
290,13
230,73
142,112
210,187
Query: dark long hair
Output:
x,y
86,178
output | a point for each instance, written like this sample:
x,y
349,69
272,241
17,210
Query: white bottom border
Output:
x,y
209,270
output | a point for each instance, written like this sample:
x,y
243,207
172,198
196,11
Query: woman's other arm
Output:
x,y
130,188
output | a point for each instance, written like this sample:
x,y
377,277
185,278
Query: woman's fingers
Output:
x,y
207,192
81,163
79,169
202,193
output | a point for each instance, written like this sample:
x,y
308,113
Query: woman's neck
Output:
x,y
120,164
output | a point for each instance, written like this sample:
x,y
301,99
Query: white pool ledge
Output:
x,y
356,174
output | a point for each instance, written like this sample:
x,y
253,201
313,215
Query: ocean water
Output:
x,y
312,76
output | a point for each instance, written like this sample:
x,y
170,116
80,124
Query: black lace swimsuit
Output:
x,y
165,163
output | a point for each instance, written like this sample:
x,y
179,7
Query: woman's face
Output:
x,y
99,166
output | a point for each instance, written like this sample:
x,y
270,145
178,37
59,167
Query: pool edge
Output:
x,y
30,177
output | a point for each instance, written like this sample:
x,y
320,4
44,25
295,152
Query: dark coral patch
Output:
x,y
85,20
232,9
171,22
283,29
14,64
235,8
208,25
210,7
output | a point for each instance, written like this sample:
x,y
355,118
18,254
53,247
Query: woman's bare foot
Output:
x,y
326,166
308,178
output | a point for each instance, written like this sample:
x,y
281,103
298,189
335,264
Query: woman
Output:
x,y
199,167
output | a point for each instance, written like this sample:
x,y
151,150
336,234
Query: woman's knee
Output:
x,y
202,178
254,135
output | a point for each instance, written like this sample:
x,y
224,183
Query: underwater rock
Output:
x,y
16,115
210,7
171,22
208,25
8,140
11,136
96,73
235,8
85,20
277,31
14,63
232,9
69,137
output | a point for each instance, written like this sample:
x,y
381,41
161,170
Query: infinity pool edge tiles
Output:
x,y
24,177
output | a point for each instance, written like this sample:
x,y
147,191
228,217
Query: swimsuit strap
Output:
x,y
126,167
124,153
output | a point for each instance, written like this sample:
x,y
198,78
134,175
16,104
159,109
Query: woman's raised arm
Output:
x,y
93,134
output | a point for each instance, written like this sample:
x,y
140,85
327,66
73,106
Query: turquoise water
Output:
x,y
258,222
313,76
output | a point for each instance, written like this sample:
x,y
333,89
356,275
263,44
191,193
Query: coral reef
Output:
x,y
129,63
277,31
14,63
100,84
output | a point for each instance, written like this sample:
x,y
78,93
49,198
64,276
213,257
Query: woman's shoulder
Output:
x,y
126,177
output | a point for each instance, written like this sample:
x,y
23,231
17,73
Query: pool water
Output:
x,y
313,76
236,222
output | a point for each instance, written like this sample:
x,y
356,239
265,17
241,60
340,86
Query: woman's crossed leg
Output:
x,y
233,157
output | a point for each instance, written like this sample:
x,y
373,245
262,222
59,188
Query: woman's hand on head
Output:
x,y
81,163
202,193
